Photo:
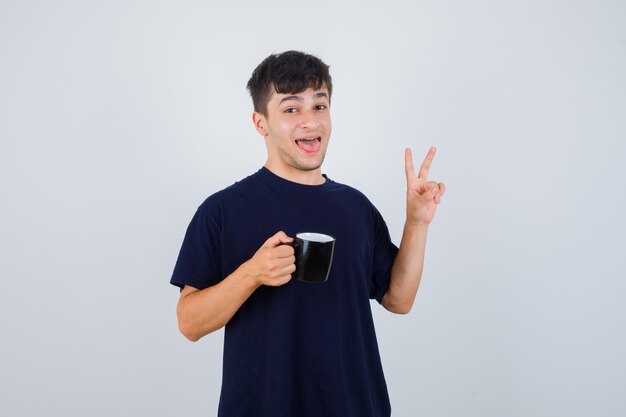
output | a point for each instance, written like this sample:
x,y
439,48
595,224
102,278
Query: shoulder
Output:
x,y
354,201
227,196
349,192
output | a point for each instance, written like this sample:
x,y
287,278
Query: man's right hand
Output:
x,y
201,312
273,263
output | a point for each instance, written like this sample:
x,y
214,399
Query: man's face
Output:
x,y
296,129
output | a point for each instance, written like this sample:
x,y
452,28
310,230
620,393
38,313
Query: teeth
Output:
x,y
308,139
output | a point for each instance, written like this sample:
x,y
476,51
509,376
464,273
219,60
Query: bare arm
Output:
x,y
423,196
406,272
201,312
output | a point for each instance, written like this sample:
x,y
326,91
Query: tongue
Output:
x,y
309,145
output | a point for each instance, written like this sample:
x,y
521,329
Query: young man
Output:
x,y
293,348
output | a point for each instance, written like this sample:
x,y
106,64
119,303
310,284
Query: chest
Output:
x,y
252,221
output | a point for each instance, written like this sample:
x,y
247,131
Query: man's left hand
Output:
x,y
422,195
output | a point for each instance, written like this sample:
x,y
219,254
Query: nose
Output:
x,y
308,120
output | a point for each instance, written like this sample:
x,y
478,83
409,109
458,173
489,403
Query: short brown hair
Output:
x,y
289,72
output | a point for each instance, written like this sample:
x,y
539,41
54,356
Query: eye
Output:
x,y
321,107
290,110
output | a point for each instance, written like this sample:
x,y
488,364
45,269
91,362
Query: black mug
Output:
x,y
314,256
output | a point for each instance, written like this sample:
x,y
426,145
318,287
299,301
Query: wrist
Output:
x,y
417,225
248,275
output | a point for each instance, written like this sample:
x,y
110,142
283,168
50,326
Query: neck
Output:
x,y
313,177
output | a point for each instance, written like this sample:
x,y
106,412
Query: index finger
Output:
x,y
408,163
425,168
284,251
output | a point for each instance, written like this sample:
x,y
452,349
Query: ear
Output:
x,y
259,122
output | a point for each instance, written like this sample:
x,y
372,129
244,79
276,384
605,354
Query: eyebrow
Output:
x,y
300,99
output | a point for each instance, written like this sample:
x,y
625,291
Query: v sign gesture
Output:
x,y
422,198
422,195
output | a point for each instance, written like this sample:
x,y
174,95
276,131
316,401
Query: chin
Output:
x,y
306,167
303,164
310,166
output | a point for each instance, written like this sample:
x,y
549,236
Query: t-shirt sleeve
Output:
x,y
199,263
384,254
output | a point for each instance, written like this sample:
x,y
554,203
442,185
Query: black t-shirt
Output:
x,y
301,349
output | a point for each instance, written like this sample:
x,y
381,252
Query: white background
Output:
x,y
118,118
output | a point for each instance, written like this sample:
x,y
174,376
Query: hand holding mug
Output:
x,y
274,262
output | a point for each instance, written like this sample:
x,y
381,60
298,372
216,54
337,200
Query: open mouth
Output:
x,y
309,145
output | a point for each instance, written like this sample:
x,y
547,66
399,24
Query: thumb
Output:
x,y
277,240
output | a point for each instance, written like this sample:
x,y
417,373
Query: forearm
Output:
x,y
201,312
406,272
